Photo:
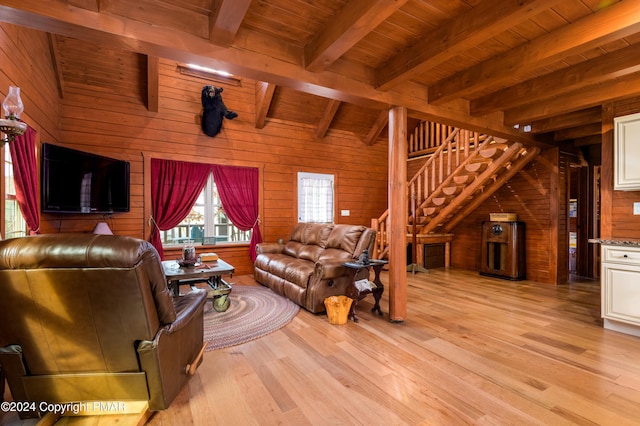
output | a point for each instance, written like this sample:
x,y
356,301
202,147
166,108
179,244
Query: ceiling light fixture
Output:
x,y
209,70
11,125
199,71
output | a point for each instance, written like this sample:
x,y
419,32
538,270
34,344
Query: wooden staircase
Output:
x,y
464,169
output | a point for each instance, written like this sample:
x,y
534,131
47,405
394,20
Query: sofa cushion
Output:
x,y
264,260
298,232
345,237
310,252
299,273
316,234
335,255
291,269
292,248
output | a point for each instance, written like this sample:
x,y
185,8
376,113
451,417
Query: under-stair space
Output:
x,y
460,170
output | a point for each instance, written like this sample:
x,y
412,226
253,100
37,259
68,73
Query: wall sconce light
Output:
x,y
11,125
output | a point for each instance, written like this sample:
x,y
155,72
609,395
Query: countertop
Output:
x,y
631,242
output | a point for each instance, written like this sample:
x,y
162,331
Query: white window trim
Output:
x,y
321,176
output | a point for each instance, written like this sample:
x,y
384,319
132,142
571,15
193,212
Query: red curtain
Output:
x,y
25,173
175,187
239,191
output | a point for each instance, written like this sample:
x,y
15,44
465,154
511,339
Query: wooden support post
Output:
x,y
397,214
606,176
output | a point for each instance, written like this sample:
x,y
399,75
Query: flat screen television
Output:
x,y
73,181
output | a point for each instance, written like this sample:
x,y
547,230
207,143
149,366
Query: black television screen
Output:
x,y
79,182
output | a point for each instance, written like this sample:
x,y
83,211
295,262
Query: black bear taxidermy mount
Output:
x,y
214,110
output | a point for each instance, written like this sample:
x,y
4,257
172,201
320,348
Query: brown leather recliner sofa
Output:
x,y
88,317
308,268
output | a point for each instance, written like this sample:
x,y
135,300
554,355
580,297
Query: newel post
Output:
x,y
397,230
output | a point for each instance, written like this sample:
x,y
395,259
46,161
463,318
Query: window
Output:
x,y
315,197
14,224
207,222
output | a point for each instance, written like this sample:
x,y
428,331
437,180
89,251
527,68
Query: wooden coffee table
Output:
x,y
207,272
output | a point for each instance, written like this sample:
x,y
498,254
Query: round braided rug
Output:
x,y
252,313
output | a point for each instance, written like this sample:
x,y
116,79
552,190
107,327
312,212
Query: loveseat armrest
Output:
x,y
187,306
262,248
329,270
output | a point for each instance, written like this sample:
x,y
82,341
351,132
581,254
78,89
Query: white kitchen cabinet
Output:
x,y
620,290
626,153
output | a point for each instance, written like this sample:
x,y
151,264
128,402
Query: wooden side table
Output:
x,y
357,295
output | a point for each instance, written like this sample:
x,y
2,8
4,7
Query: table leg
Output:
x,y
219,293
352,293
214,282
377,292
174,285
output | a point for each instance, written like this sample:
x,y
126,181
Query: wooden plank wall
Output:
x,y
110,118
27,63
622,223
528,194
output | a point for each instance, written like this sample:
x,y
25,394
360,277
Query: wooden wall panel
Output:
x,y
108,121
529,195
26,62
622,224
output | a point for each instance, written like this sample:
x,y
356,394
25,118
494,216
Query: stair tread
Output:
x,y
439,213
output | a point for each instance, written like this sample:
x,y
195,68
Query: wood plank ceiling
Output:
x,y
540,71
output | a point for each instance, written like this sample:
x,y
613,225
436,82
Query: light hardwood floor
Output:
x,y
473,350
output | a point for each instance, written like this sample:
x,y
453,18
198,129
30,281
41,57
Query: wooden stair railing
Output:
x,y
523,158
381,244
434,222
444,186
427,137
463,171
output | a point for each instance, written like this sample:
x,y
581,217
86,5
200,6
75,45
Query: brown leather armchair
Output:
x,y
88,317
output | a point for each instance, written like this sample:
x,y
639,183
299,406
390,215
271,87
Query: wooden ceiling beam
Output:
x,y
225,19
327,117
580,99
613,65
354,21
381,121
264,97
56,64
86,4
588,140
153,83
578,132
569,120
460,34
250,56
610,24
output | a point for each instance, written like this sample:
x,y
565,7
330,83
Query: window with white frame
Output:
x,y
14,223
315,197
207,222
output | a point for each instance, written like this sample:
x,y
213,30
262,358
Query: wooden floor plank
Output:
x,y
472,350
